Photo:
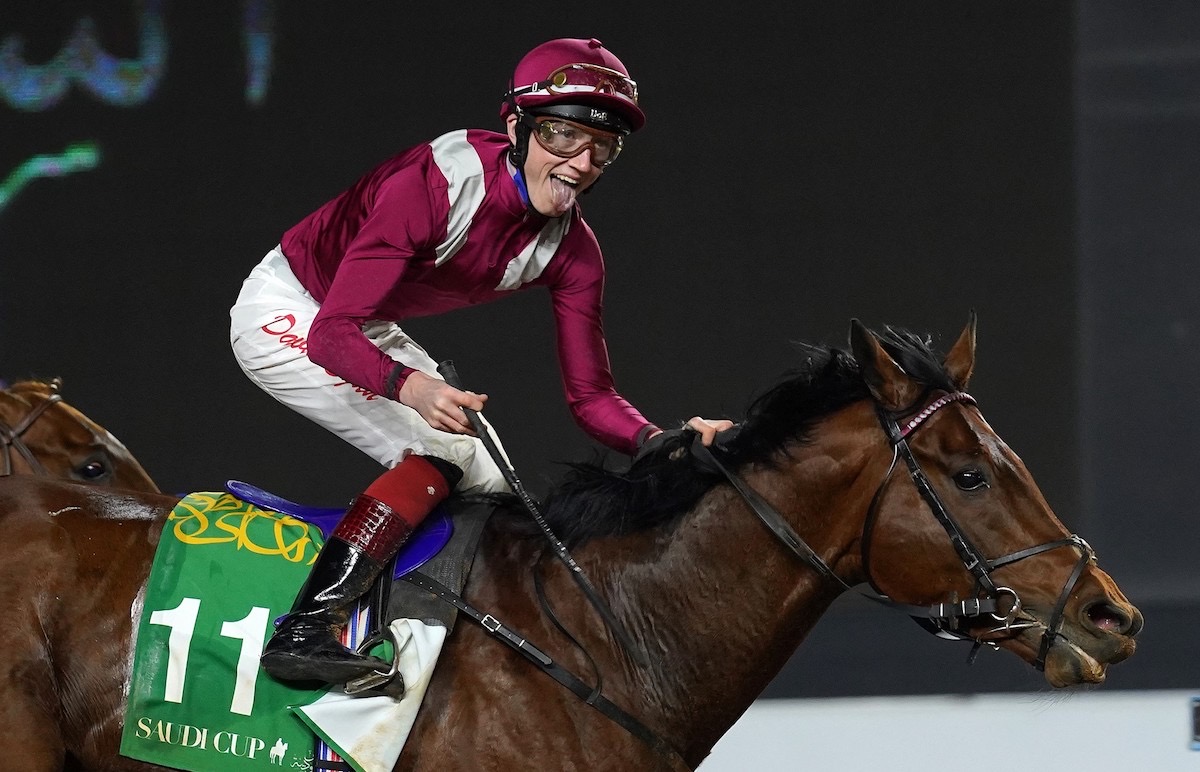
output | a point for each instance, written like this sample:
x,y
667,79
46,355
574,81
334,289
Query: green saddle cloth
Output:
x,y
198,700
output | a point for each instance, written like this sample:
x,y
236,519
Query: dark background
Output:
x,y
803,164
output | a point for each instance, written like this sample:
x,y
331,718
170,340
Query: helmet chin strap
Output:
x,y
518,152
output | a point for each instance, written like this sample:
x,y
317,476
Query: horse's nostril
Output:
x,y
1110,619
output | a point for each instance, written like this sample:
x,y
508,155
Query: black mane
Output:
x,y
593,501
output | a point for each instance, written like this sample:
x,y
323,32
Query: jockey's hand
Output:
x,y
439,403
705,428
708,429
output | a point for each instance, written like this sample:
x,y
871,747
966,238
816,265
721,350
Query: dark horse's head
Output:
x,y
929,506
41,434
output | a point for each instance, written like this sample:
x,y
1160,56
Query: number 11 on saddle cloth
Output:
x,y
224,571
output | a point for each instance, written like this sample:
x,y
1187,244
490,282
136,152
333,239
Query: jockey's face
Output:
x,y
554,182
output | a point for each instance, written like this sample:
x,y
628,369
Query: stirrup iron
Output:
x,y
388,682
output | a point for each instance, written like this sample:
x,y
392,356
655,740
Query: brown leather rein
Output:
x,y
942,619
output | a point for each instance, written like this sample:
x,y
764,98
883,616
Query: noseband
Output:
x,y
10,438
941,619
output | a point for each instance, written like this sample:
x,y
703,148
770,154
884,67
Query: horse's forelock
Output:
x,y
916,355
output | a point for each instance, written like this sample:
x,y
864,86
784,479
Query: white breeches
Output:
x,y
269,327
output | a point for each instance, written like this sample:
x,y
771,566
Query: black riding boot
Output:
x,y
306,645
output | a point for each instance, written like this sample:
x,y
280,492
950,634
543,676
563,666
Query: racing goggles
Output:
x,y
567,139
584,78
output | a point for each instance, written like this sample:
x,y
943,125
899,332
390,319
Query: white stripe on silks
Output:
x,y
533,259
460,165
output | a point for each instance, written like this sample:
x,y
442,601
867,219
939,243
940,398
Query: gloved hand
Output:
x,y
672,441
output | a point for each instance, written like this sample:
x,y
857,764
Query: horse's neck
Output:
x,y
726,601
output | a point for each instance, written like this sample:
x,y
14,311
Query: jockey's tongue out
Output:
x,y
577,102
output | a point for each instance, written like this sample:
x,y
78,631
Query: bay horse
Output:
x,y
866,466
42,434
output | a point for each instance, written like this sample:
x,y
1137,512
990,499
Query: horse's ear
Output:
x,y
889,384
960,362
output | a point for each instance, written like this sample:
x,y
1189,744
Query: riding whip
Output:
x,y
485,433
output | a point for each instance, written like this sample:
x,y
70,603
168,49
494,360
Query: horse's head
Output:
x,y
959,517
42,434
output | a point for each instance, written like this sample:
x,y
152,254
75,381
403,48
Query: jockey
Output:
x,y
464,219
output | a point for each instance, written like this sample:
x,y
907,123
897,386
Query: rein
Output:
x,y
483,430
541,660
10,437
941,619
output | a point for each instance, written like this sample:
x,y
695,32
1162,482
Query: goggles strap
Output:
x,y
608,77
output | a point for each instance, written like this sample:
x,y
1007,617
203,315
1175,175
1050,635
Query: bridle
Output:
x,y
973,560
10,437
941,619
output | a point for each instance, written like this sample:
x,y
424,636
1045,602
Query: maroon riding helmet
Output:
x,y
576,79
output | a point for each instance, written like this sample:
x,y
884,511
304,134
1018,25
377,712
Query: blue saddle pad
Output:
x,y
426,541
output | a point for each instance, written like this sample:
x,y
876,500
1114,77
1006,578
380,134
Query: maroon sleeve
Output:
x,y
588,383
407,219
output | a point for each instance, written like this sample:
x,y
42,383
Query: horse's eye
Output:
x,y
93,470
970,480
